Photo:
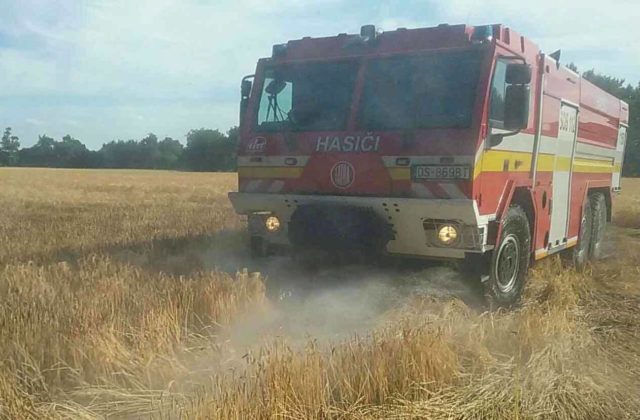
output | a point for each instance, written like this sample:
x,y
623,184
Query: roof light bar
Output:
x,y
368,32
482,34
279,50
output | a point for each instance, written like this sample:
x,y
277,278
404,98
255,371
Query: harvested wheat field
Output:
x,y
130,294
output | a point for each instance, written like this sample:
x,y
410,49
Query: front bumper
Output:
x,y
412,220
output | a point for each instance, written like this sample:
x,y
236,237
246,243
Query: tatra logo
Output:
x,y
342,174
257,145
366,143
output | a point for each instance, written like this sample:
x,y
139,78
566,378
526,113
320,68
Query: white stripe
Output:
x,y
420,190
585,150
276,186
479,153
523,142
452,190
390,161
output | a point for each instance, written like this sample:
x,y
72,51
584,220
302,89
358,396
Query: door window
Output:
x,y
498,91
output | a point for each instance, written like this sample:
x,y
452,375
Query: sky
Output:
x,y
108,70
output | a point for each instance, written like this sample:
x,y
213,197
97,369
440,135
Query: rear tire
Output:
x,y
598,205
510,260
580,253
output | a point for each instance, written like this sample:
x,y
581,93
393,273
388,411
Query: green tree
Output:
x,y
46,143
609,84
120,154
233,136
170,153
209,150
9,148
40,154
70,153
148,152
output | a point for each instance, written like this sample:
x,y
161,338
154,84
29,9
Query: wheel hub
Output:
x,y
507,264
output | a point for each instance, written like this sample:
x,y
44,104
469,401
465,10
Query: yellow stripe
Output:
x,y
494,161
541,253
400,174
511,161
593,165
477,168
563,163
269,172
490,161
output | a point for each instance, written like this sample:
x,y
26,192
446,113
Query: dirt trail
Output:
x,y
327,302
335,301
327,305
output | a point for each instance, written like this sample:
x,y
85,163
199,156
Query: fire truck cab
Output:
x,y
451,142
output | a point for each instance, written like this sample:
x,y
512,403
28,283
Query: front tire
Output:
x,y
510,260
580,253
598,205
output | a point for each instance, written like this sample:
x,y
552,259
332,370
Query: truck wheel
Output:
x,y
599,214
259,247
510,260
580,252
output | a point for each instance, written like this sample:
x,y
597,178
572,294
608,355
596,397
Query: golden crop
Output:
x,y
110,305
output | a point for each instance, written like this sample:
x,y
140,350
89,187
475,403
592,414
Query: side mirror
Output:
x,y
245,88
245,91
516,107
518,74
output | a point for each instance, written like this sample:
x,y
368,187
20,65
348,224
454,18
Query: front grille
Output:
x,y
339,228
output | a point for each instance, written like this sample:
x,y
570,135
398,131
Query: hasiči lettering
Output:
x,y
368,143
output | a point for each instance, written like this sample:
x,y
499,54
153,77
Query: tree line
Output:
x,y
211,150
205,150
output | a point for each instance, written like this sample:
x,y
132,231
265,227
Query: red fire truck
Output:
x,y
451,142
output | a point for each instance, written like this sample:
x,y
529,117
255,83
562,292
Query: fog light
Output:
x,y
272,223
448,234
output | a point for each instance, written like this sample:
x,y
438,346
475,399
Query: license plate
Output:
x,y
441,172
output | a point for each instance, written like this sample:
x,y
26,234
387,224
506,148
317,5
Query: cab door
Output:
x,y
562,171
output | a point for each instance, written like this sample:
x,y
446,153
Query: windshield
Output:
x,y
307,97
428,91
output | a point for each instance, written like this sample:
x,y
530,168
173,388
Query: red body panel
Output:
x,y
497,172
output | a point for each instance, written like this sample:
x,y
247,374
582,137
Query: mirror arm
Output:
x,y
496,139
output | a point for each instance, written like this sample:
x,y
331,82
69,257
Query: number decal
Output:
x,y
567,121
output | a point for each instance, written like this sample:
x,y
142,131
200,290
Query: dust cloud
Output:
x,y
332,302
328,304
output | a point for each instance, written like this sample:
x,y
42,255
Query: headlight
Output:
x,y
448,234
272,223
